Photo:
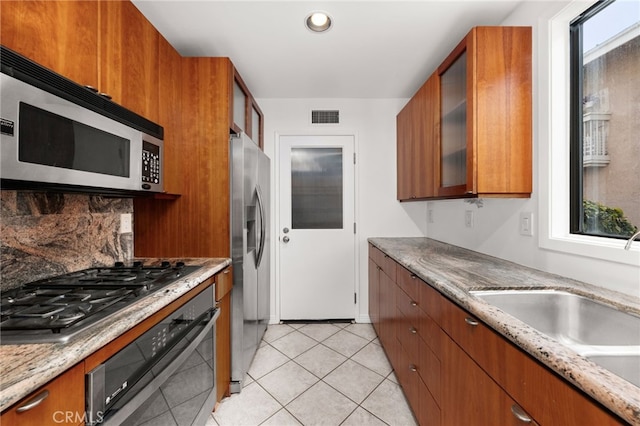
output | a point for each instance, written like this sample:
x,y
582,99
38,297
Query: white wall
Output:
x,y
378,214
496,230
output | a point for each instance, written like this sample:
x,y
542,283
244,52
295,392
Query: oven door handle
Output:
x,y
122,414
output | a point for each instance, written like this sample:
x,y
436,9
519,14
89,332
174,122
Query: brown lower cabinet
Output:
x,y
224,284
59,402
454,370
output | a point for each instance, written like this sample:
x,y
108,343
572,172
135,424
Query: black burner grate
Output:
x,y
66,303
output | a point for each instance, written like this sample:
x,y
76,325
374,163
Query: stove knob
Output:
x,y
119,265
179,264
137,264
165,264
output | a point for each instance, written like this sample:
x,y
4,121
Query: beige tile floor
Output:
x,y
317,374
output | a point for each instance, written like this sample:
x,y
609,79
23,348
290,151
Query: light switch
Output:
x,y
526,223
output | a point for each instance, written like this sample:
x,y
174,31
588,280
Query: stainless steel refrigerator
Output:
x,y
250,239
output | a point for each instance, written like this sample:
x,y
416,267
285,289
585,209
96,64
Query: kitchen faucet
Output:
x,y
630,240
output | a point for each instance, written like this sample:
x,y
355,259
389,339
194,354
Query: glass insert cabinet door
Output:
x,y
316,188
239,105
453,148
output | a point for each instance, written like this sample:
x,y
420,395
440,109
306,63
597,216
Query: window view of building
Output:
x,y
605,180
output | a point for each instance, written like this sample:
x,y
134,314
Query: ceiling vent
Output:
x,y
325,116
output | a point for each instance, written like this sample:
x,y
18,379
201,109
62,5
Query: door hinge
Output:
x,y
355,299
354,227
354,158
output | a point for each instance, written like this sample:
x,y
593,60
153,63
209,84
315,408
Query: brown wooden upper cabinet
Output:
x,y
61,36
483,122
107,45
246,115
129,58
417,126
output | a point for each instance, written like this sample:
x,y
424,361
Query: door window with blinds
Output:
x,y
316,188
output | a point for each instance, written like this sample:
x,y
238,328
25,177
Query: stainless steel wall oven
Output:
x,y
165,376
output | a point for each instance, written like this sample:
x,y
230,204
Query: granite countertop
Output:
x,y
24,368
455,272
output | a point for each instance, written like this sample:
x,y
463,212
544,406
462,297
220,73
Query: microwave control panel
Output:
x,y
150,163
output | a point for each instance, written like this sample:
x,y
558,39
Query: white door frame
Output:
x,y
275,311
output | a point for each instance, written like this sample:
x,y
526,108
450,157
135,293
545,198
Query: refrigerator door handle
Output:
x,y
261,243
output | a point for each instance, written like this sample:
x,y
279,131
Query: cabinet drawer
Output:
x,y
407,335
376,254
431,333
477,340
431,301
62,402
424,406
386,263
224,283
428,366
409,282
409,306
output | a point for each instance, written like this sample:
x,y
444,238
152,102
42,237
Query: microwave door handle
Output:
x,y
144,394
262,226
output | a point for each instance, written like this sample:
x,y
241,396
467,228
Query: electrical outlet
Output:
x,y
526,223
430,216
125,223
468,218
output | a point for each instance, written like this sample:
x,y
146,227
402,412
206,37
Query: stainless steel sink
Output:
x,y
567,317
625,366
607,336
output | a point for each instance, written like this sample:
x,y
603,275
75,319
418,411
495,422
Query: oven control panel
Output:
x,y
170,330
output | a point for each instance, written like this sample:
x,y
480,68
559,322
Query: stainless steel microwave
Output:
x,y
57,134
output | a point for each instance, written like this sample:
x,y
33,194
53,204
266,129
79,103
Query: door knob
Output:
x,y
285,239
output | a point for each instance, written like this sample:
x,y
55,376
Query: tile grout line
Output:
x,y
321,379
368,339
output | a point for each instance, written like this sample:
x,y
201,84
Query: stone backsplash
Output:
x,y
46,234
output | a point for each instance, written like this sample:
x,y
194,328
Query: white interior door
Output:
x,y
317,231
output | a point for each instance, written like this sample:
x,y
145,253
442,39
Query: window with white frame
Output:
x,y
605,120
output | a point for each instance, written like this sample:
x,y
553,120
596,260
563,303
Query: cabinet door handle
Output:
x,y
412,330
413,368
33,402
414,304
471,321
520,414
413,276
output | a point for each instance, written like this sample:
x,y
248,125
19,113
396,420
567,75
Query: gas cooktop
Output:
x,y
57,309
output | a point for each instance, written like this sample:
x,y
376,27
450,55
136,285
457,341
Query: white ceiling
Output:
x,y
376,49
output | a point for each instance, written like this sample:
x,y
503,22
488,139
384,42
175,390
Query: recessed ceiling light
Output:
x,y
318,21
